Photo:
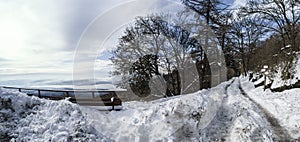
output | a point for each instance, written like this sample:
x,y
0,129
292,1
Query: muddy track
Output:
x,y
227,86
219,128
281,133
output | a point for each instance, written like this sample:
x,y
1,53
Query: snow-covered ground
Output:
x,y
172,119
222,113
284,106
208,115
278,82
25,118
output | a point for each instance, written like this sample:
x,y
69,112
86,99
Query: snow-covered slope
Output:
x,y
277,78
26,118
226,112
219,114
278,82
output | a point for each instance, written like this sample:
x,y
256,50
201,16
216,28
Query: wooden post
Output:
x,y
39,93
265,82
67,94
112,100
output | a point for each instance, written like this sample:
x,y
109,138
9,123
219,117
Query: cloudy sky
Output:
x,y
38,39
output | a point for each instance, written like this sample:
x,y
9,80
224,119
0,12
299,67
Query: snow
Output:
x,y
166,119
284,106
277,79
239,120
25,118
216,114
260,80
249,119
231,111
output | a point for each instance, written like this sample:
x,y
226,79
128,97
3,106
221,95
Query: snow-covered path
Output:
x,y
281,108
219,127
231,111
238,119
233,116
281,133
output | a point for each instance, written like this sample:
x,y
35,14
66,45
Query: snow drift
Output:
x,y
181,117
222,113
25,118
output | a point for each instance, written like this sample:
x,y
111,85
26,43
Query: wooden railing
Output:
x,y
97,98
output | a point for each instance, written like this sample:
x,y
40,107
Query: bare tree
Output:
x,y
218,16
283,18
172,47
245,34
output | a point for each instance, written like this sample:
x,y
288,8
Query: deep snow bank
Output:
x,y
178,118
24,118
215,114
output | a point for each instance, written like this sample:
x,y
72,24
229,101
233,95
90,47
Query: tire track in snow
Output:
x,y
245,127
281,133
219,128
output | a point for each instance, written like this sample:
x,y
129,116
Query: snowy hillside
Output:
x,y
223,113
278,82
275,81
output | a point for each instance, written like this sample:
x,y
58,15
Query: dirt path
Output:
x,y
281,133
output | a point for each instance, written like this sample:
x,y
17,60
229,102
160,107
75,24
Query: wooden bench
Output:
x,y
104,98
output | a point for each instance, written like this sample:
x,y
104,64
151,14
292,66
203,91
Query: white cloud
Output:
x,y
37,37
31,36
101,35
40,37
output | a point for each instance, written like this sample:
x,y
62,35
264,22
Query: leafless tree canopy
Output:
x,y
176,55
